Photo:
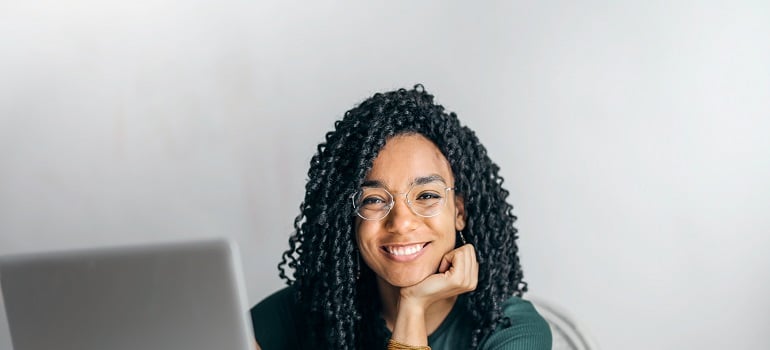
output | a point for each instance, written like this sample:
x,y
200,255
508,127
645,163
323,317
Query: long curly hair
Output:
x,y
336,291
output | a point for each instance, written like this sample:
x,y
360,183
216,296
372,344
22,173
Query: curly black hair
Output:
x,y
335,290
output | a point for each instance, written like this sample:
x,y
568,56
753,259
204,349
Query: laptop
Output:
x,y
172,296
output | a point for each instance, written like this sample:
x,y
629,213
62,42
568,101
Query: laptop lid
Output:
x,y
174,296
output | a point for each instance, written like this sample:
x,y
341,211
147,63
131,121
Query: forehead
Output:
x,y
407,157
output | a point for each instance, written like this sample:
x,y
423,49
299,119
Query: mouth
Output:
x,y
404,252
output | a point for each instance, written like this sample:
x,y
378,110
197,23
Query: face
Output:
x,y
404,248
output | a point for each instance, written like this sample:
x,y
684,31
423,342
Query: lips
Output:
x,y
404,250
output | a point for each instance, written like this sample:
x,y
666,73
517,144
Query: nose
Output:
x,y
401,219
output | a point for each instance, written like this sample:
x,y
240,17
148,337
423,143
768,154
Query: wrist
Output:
x,y
410,325
408,301
411,309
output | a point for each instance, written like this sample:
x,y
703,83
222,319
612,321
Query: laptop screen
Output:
x,y
186,296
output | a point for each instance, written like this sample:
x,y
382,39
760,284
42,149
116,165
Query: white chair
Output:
x,y
567,333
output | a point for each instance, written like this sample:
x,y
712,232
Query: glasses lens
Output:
x,y
372,203
427,200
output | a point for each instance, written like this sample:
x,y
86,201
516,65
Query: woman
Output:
x,y
404,241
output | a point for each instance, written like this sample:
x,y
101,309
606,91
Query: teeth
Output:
x,y
404,250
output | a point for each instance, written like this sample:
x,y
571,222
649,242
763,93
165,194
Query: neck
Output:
x,y
434,314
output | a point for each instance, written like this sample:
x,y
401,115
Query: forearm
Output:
x,y
410,327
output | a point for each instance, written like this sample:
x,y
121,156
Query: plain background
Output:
x,y
633,136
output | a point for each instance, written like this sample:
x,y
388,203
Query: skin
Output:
x,y
418,294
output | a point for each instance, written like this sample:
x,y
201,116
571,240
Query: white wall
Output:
x,y
632,134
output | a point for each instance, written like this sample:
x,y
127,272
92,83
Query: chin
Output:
x,y
407,280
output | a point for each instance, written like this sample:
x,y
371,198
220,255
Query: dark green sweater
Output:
x,y
278,324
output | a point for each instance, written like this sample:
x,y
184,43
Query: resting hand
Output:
x,y
457,273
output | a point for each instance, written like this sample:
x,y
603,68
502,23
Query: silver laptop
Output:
x,y
180,296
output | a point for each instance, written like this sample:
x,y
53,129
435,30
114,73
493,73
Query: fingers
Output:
x,y
446,262
461,268
474,271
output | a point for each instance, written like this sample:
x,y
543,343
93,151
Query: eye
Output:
x,y
373,200
428,196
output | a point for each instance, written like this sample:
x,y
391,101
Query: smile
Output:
x,y
405,252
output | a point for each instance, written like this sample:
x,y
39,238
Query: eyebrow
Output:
x,y
422,180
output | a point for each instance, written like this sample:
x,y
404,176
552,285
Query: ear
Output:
x,y
459,213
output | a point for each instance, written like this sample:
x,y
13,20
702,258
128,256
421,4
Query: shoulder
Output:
x,y
275,320
526,328
283,298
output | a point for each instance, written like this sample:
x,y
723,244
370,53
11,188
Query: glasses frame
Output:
x,y
392,203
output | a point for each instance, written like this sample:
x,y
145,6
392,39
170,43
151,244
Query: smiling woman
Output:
x,y
404,241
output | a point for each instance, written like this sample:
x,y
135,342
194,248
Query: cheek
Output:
x,y
448,230
365,242
365,233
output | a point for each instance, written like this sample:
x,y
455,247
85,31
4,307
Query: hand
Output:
x,y
458,273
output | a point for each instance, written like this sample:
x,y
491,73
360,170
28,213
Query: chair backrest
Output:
x,y
567,333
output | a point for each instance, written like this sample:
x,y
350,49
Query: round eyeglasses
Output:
x,y
375,203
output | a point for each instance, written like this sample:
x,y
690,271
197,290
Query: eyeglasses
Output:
x,y
375,203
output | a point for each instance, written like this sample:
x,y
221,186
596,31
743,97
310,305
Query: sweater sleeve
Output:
x,y
527,331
